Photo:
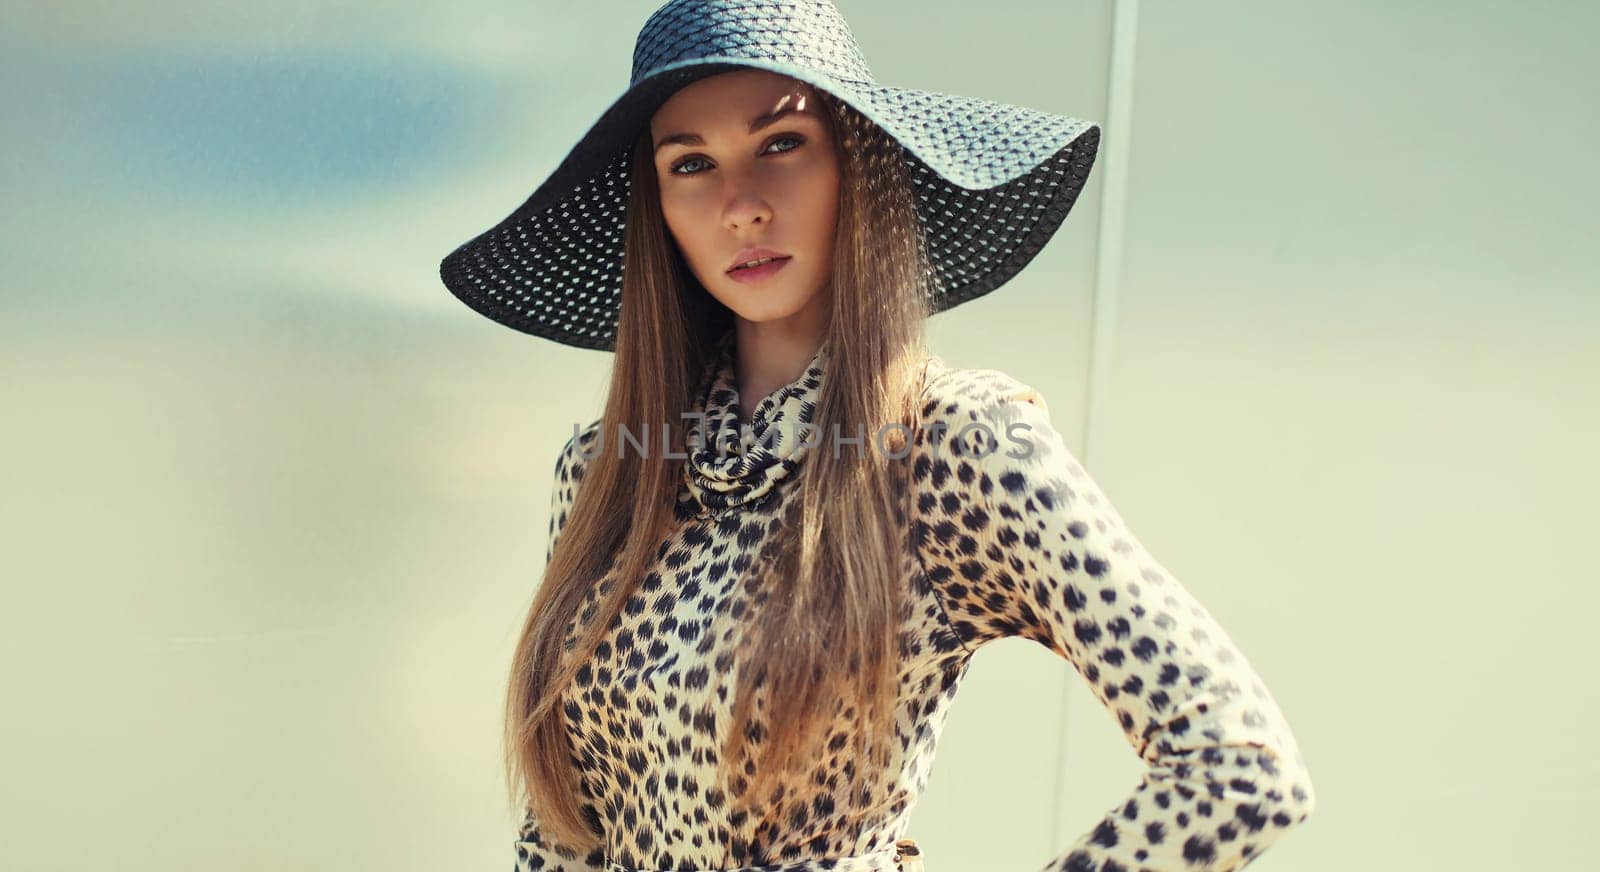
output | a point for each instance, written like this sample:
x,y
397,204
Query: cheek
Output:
x,y
821,206
688,224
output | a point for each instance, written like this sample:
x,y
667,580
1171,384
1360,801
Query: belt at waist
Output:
x,y
902,856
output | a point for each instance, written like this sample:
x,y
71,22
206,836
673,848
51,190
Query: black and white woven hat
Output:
x,y
992,181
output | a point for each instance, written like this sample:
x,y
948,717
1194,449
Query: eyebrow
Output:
x,y
756,123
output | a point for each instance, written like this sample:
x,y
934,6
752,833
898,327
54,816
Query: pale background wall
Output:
x,y
275,501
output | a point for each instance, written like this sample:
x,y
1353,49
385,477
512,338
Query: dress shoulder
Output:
x,y
952,393
570,463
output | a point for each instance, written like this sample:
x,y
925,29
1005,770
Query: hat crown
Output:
x,y
804,33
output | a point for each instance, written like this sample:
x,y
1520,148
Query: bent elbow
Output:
x,y
1292,794
1302,796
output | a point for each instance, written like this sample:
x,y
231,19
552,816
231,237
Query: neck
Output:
x,y
769,355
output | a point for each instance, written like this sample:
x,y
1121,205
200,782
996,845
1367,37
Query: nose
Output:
x,y
745,208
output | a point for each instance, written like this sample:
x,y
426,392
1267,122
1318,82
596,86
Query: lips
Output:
x,y
755,263
753,254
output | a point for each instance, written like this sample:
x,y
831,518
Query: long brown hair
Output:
x,y
823,645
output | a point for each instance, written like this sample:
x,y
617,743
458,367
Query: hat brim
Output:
x,y
992,183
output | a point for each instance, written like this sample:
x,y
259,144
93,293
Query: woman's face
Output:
x,y
744,161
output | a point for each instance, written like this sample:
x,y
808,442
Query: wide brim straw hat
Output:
x,y
992,181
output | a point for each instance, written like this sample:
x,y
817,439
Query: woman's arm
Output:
x,y
1030,546
534,851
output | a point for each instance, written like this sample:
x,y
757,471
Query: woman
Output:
x,y
772,557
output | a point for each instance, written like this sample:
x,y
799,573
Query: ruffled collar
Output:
x,y
731,463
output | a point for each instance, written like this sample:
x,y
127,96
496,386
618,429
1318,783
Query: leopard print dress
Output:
x,y
1012,538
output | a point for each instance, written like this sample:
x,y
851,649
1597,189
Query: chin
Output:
x,y
758,311
758,303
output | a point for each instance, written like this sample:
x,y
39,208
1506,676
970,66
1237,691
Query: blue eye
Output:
x,y
677,168
797,140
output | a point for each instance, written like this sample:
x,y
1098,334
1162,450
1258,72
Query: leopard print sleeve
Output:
x,y
537,853
534,851
1019,540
